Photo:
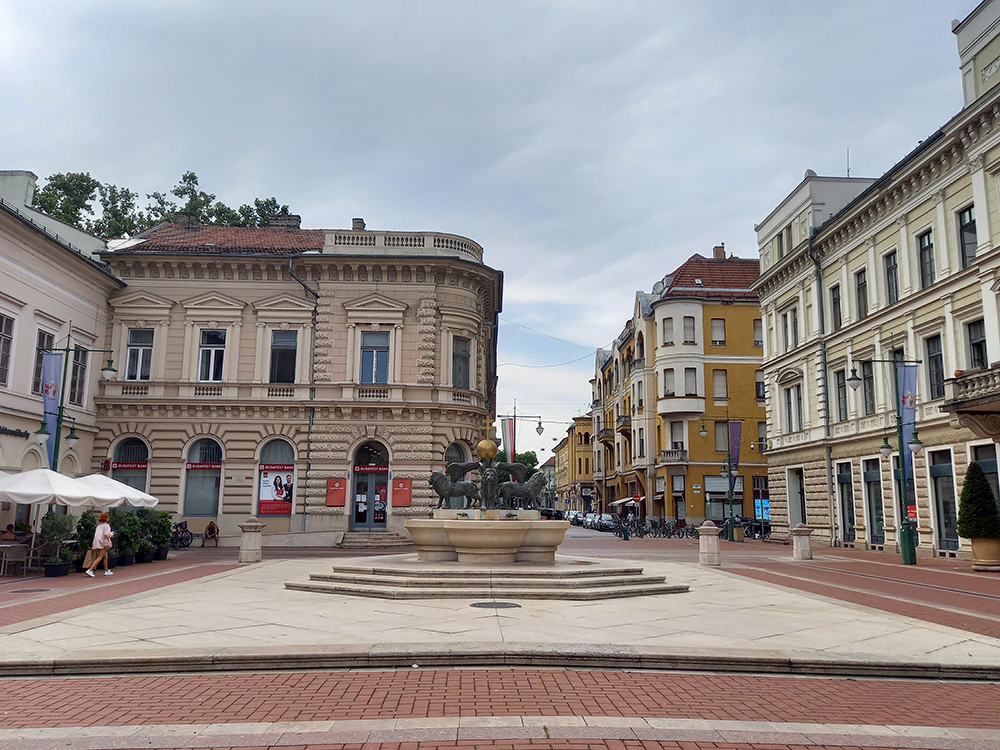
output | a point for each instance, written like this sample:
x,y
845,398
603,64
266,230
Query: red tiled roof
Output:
x,y
209,239
721,278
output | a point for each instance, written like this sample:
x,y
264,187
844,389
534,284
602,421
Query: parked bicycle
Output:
x,y
181,537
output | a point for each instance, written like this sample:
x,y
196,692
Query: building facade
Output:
x,y
677,398
54,297
857,274
312,378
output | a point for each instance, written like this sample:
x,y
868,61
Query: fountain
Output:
x,y
499,522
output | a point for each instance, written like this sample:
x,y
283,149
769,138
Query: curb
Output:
x,y
401,656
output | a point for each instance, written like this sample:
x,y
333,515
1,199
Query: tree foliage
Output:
x,y
978,513
70,197
528,458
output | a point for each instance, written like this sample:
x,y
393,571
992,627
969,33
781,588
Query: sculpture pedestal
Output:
x,y
486,542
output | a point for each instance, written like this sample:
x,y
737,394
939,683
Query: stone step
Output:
x,y
465,572
509,582
487,593
373,540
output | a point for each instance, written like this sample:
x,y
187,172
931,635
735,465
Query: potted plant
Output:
x,y
161,534
56,530
85,528
145,552
128,530
979,520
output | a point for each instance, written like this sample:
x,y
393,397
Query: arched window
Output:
x,y
130,462
454,454
204,479
276,480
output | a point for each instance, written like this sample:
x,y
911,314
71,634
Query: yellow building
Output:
x,y
574,466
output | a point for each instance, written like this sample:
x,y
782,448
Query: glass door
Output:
x,y
946,511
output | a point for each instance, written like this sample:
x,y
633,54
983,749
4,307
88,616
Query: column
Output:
x,y
942,238
979,199
903,257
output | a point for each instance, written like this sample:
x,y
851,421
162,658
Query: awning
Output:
x,y
619,502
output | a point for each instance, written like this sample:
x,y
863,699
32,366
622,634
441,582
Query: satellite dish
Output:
x,y
657,287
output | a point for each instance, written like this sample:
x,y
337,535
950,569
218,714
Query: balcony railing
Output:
x,y
673,456
624,422
606,434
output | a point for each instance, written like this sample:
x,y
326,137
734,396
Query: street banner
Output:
x,y
51,378
735,435
906,381
507,437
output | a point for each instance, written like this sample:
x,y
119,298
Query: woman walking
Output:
x,y
101,545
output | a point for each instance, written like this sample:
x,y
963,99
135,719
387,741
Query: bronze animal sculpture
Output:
x,y
447,489
527,492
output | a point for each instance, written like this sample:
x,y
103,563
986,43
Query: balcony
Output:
x,y
623,423
606,435
676,405
972,400
674,456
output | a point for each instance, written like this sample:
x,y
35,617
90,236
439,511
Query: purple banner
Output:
x,y
906,381
51,378
735,434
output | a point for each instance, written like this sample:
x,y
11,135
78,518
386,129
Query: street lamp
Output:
x,y
728,472
907,543
43,433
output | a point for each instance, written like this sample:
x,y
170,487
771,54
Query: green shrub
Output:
x,y
85,529
978,513
56,529
164,528
128,531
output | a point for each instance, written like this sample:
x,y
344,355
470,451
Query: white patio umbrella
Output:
x,y
44,486
110,492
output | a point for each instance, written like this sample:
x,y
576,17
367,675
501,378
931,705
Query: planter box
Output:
x,y
161,553
145,557
126,558
54,570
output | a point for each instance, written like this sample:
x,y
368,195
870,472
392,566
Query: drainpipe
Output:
x,y
826,387
312,384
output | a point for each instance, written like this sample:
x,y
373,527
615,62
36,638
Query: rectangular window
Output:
x,y
78,378
977,344
779,244
139,354
6,341
935,366
668,382
759,387
840,382
642,442
758,333
861,292
690,381
793,323
283,349
375,357
720,388
677,436
211,356
668,331
785,341
721,437
836,317
891,278
868,387
718,332
461,356
793,408
43,342
986,457
925,243
967,235
689,330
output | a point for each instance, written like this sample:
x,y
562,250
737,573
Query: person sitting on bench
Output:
x,y
211,532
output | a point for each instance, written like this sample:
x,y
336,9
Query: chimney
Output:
x,y
719,251
285,221
17,186
186,219
358,225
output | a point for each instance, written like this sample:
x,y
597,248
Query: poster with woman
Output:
x,y
275,493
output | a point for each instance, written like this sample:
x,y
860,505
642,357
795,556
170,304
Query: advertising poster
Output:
x,y
276,486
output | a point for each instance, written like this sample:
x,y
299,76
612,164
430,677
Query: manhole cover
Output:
x,y
495,605
28,591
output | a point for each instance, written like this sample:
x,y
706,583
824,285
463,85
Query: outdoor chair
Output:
x,y
14,555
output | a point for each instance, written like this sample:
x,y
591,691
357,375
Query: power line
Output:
x,y
558,364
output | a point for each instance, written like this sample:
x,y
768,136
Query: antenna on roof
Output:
x,y
848,161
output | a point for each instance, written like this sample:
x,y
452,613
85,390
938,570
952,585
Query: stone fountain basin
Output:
x,y
486,542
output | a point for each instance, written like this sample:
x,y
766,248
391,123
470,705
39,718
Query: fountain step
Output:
x,y
466,572
506,581
373,540
479,591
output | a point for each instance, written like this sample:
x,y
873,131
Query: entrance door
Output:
x,y
943,489
371,488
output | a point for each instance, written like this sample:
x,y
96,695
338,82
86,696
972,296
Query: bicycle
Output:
x,y
181,537
691,532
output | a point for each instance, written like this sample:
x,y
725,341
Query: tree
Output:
x,y
67,197
70,197
528,458
978,513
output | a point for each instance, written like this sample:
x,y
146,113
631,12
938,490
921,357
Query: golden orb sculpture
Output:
x,y
487,449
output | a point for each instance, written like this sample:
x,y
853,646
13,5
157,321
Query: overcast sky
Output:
x,y
590,147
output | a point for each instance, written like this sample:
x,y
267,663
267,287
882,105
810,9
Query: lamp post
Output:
x,y
907,542
42,435
728,473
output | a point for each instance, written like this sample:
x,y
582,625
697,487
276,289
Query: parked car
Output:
x,y
588,520
606,522
576,517
551,514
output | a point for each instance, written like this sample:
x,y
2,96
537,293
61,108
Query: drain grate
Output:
x,y
494,605
28,591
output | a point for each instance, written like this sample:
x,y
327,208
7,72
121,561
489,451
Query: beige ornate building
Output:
x,y
312,378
